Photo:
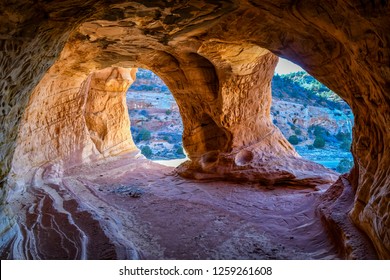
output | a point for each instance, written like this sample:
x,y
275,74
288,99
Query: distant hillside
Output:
x,y
300,87
148,81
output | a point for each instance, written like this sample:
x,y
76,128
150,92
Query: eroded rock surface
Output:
x,y
217,58
74,120
127,208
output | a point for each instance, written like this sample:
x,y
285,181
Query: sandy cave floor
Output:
x,y
136,209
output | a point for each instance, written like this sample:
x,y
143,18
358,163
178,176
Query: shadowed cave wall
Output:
x,y
217,58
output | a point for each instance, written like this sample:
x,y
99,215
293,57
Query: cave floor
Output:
x,y
136,209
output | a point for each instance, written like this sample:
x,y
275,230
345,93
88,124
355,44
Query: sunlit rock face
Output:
x,y
217,58
74,118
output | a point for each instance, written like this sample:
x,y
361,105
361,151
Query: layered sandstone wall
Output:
x,y
74,118
32,36
193,47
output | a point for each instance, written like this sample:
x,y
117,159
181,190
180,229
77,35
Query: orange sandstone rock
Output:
x,y
217,58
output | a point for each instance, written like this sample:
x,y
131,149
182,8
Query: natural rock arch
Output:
x,y
344,45
224,98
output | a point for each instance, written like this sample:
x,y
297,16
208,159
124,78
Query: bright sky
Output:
x,y
284,67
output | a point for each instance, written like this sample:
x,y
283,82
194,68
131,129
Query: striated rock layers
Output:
x,y
73,120
217,58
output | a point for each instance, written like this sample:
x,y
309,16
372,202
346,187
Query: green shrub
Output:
x,y
319,131
180,151
298,131
293,139
319,142
168,112
346,145
144,135
344,165
144,113
341,136
147,151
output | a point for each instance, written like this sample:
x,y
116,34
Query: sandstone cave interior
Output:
x,y
75,186
316,121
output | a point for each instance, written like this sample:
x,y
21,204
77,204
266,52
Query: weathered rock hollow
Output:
x,y
66,67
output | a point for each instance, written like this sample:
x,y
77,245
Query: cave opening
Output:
x,y
98,130
313,118
156,124
68,138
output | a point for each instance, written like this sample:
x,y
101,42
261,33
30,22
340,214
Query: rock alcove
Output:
x,y
66,67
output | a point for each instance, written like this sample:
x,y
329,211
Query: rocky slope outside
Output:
x,y
217,58
313,118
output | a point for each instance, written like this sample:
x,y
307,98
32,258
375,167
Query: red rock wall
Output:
x,y
74,117
344,44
